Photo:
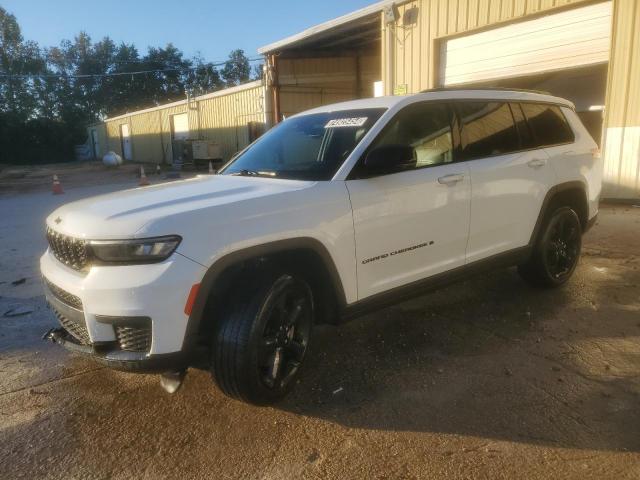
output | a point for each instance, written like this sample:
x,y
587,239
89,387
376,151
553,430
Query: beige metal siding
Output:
x,y
113,135
415,46
622,114
145,142
311,82
225,119
220,117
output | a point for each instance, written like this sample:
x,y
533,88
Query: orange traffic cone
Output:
x,y
144,181
57,186
211,171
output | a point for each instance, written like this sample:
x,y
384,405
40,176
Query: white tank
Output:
x,y
112,159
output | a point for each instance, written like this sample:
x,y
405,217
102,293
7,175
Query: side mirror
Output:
x,y
390,159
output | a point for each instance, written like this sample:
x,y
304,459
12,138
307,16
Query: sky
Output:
x,y
210,27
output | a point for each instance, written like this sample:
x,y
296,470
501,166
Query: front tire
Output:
x,y
262,338
556,252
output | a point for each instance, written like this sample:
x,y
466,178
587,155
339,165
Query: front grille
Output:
x,y
134,339
64,296
79,332
68,250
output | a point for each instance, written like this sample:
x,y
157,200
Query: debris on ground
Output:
x,y
337,390
18,311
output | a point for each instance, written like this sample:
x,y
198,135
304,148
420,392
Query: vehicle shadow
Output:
x,y
489,357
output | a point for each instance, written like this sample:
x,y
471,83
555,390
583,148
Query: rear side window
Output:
x,y
548,124
524,130
488,129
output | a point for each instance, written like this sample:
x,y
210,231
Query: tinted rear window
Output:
x,y
548,124
524,130
487,129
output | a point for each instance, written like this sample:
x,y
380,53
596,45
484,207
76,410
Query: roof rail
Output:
x,y
500,89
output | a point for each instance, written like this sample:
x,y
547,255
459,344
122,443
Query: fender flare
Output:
x,y
576,184
279,246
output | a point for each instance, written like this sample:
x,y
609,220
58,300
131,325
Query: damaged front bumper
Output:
x,y
106,354
72,336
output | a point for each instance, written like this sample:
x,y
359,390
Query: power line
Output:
x,y
113,74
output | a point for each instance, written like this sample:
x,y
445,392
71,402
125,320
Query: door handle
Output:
x,y
451,179
537,163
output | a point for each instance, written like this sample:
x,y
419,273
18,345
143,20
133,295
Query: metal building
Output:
x,y
231,118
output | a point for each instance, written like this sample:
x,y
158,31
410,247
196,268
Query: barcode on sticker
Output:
x,y
346,122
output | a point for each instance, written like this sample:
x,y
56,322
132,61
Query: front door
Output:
x,y
179,135
96,143
412,224
125,139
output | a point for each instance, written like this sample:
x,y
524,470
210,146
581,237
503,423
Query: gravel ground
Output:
x,y
484,379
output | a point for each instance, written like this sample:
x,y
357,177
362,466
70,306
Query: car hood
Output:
x,y
123,214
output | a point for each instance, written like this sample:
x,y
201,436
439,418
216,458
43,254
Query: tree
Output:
x,y
236,69
258,71
204,78
48,96
17,58
166,84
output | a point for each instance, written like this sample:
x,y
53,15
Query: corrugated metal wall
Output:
x,y
311,82
225,119
415,55
222,117
622,114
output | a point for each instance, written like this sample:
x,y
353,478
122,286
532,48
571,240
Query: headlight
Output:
x,y
143,250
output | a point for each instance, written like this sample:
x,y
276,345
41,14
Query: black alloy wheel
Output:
x,y
286,333
556,252
262,337
562,246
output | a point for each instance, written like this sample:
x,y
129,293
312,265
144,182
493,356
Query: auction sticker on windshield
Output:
x,y
346,122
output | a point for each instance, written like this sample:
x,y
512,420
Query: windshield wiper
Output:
x,y
253,173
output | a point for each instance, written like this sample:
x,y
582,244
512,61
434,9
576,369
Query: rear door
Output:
x,y
509,176
412,224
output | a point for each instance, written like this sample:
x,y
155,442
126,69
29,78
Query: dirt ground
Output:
x,y
485,379
23,179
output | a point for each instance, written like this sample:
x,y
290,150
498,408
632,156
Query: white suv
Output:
x,y
336,211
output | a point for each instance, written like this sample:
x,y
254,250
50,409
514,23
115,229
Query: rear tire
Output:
x,y
556,251
262,337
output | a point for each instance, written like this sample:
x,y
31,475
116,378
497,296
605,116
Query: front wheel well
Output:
x,y
304,262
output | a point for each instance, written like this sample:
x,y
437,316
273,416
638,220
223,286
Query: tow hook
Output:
x,y
53,334
171,381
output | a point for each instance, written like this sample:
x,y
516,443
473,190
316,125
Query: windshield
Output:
x,y
308,147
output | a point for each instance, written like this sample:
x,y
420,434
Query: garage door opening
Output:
x,y
565,53
585,87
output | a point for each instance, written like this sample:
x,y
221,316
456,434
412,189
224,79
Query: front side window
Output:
x,y
426,128
308,147
487,129
548,124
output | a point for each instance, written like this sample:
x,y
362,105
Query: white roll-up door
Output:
x,y
571,38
